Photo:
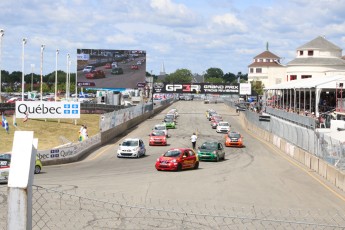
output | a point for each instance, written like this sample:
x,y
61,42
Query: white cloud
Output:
x,y
228,22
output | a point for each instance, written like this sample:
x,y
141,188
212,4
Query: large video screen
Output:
x,y
111,69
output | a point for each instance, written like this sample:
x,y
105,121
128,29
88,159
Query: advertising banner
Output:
x,y
46,109
202,88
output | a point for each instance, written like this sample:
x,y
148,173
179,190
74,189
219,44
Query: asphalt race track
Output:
x,y
258,175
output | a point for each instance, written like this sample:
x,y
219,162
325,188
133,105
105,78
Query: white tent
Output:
x,y
311,84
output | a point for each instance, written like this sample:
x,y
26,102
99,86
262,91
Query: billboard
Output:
x,y
46,109
110,69
202,88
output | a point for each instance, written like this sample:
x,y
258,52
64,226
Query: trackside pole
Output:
x,y
20,181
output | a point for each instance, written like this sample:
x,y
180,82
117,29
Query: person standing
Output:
x,y
193,139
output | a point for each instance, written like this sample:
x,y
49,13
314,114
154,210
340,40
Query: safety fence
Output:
x,y
66,208
302,136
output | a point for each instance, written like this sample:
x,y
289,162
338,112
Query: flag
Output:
x,y
14,121
26,117
4,123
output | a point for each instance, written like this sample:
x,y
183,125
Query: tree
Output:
x,y
230,78
258,87
215,80
179,76
213,73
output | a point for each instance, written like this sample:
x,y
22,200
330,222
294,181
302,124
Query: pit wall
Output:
x,y
78,151
329,172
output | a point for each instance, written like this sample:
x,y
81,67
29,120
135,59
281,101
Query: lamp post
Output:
x,y
56,62
41,90
23,45
32,76
67,86
2,33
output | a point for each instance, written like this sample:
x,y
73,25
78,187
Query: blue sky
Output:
x,y
191,34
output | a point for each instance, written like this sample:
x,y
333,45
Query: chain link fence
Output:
x,y
64,208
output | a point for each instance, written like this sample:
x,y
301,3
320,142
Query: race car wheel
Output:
x,y
37,169
196,166
217,159
179,167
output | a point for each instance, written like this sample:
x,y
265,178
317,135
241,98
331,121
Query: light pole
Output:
x,y
32,76
67,90
56,62
41,90
2,33
23,45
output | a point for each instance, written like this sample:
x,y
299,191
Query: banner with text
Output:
x,y
197,88
46,109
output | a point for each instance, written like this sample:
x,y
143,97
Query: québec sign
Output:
x,y
45,109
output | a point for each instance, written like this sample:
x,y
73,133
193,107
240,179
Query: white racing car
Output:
x,y
131,147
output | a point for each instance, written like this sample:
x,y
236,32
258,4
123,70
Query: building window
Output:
x,y
293,77
261,60
267,60
251,70
310,52
305,76
258,70
301,53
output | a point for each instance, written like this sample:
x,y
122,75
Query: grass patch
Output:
x,y
50,132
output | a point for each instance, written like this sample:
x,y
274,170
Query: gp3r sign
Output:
x,y
45,109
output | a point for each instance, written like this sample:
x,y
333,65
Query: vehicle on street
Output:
x,y
135,67
223,127
161,127
211,151
169,123
178,159
131,148
107,66
95,74
215,122
234,139
157,137
5,162
117,71
216,117
4,169
171,116
88,69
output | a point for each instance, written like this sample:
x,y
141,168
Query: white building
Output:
x,y
266,67
317,58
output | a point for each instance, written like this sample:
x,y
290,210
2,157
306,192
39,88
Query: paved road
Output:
x,y
258,175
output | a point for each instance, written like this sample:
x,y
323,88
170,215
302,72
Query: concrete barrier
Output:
x,y
329,172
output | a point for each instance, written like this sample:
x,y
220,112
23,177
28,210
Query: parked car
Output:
x,y
117,71
95,74
157,137
88,69
177,159
132,148
211,151
234,139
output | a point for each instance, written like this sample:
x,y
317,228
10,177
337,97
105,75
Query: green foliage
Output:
x,y
213,73
258,87
179,76
215,80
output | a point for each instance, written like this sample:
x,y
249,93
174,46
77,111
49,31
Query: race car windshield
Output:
x,y
223,124
172,153
130,143
234,135
209,145
168,120
160,128
158,133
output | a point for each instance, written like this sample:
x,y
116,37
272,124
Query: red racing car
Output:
x,y
178,159
157,137
95,74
